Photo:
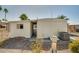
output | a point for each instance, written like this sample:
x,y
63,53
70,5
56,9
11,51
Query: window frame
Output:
x,y
20,26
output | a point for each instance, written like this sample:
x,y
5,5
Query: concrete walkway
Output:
x,y
64,51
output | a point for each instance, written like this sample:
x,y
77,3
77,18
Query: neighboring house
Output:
x,y
77,28
3,31
3,26
41,28
73,28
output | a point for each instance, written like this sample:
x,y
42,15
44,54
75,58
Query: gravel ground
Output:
x,y
23,43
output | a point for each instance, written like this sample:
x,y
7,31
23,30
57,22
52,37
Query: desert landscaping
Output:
x,y
40,35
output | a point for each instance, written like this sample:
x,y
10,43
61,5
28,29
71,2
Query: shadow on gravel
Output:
x,y
23,43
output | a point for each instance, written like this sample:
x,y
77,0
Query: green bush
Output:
x,y
74,46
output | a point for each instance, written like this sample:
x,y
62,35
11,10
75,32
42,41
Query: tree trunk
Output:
x,y
5,16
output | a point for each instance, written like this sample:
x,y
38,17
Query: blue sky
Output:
x,y
42,11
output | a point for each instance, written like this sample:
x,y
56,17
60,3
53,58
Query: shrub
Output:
x,y
74,46
36,46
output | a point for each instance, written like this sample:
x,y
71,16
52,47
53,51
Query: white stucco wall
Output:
x,y
25,32
47,28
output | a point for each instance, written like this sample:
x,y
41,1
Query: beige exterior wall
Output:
x,y
47,28
25,32
3,34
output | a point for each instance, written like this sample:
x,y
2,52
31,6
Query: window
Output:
x,y
19,26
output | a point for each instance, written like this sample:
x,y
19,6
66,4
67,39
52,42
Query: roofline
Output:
x,y
3,22
19,21
74,24
50,19
33,20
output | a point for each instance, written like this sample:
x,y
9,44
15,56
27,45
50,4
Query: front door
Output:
x,y
34,29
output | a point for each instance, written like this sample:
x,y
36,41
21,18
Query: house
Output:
x,y
73,28
77,28
40,28
3,25
3,31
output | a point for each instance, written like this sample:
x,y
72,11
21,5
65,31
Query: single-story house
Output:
x,y
73,28
77,28
3,31
40,28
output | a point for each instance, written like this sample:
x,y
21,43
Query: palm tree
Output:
x,y
0,8
23,17
5,11
4,19
62,17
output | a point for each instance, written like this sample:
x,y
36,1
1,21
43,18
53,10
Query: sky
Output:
x,y
42,11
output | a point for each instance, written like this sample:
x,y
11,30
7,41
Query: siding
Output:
x,y
47,28
25,32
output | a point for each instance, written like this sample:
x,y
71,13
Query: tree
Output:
x,y
62,17
0,8
23,17
5,11
4,19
